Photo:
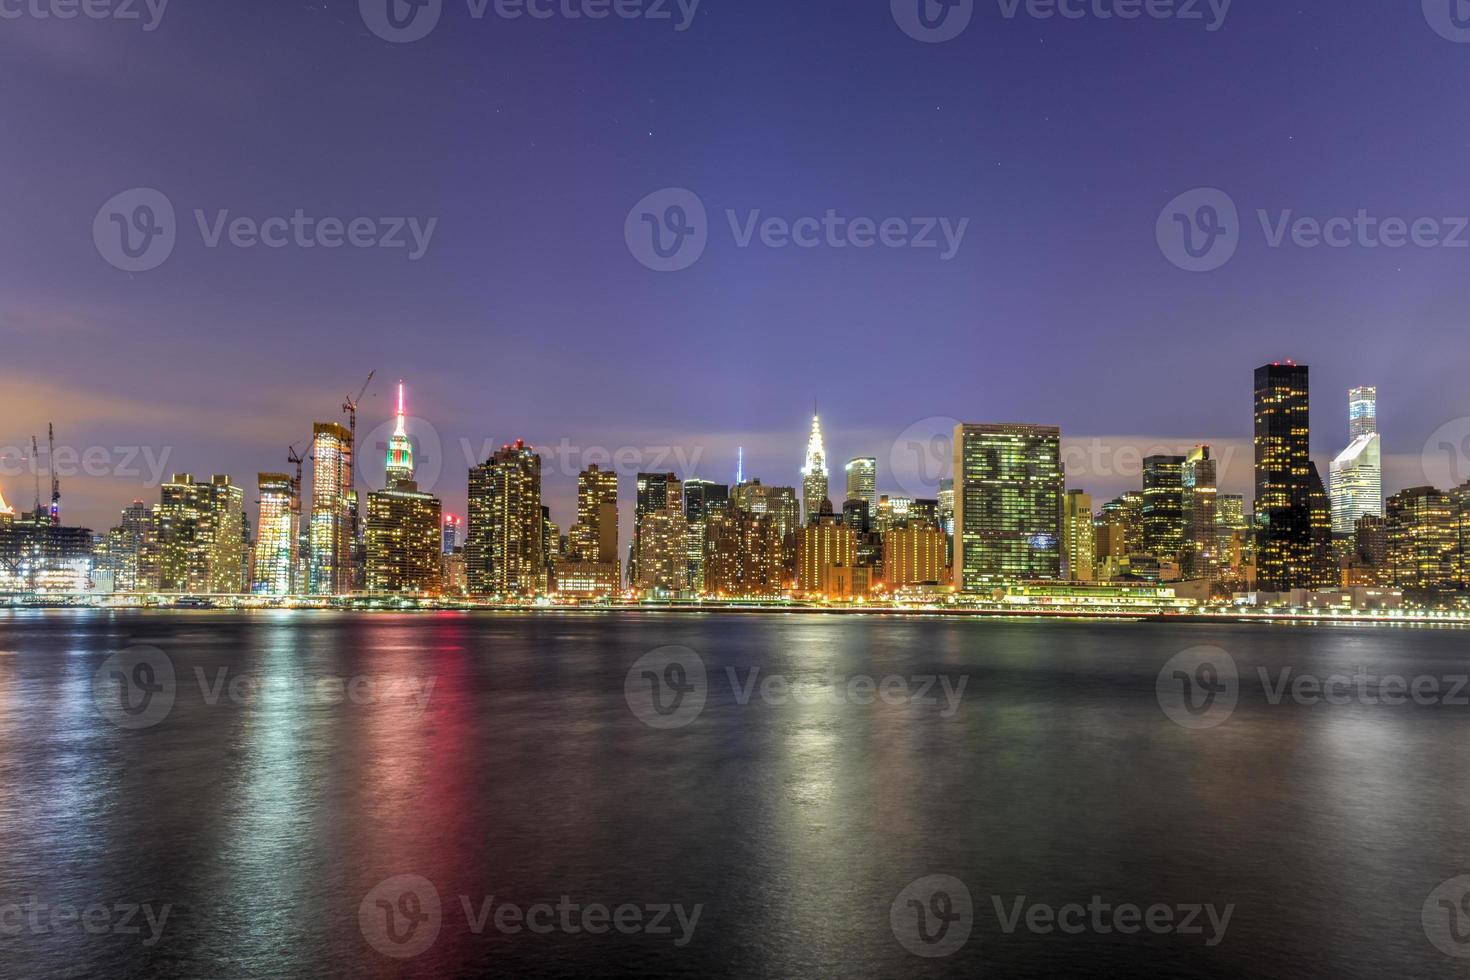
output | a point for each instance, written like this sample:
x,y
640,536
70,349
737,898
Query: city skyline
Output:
x,y
1008,516
1121,458
527,211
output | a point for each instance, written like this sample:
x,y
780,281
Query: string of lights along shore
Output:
x,y
1004,531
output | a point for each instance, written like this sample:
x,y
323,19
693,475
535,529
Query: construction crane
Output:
x,y
295,458
350,407
55,480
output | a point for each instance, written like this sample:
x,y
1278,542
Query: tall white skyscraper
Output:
x,y
1357,472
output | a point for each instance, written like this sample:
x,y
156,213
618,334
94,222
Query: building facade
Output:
x,y
914,555
862,480
277,534
814,474
1079,537
1357,472
1292,513
504,555
823,547
744,555
201,549
1198,478
1008,504
404,536
332,506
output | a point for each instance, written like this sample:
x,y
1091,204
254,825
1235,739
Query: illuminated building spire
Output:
x,y
814,473
400,450
816,454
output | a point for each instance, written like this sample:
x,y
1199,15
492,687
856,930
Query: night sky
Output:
x,y
529,141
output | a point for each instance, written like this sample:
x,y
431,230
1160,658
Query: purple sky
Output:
x,y
529,141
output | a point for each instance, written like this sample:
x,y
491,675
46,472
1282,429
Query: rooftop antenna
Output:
x,y
55,481
739,465
36,469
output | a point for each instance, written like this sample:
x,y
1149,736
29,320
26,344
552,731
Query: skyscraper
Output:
x,y
274,569
744,555
1163,507
780,503
1357,472
200,547
663,549
814,473
1293,525
503,550
594,538
652,492
1423,541
823,547
404,542
862,481
127,549
914,555
1200,548
701,499
1008,504
331,525
1079,538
